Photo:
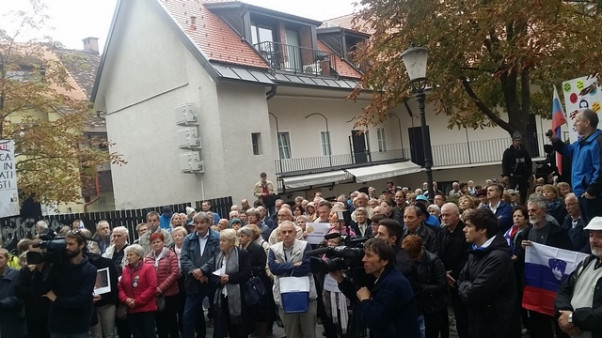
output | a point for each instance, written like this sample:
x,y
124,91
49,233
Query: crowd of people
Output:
x,y
419,256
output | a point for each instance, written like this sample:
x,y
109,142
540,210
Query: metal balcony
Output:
x,y
296,59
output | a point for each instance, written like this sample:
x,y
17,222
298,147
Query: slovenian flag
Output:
x,y
546,268
558,120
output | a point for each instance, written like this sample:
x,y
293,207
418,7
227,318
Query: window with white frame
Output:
x,y
382,141
325,138
284,145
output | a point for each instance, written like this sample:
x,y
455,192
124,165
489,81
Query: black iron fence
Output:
x,y
15,228
296,59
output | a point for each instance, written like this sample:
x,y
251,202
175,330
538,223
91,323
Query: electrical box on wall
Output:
x,y
190,162
185,115
188,138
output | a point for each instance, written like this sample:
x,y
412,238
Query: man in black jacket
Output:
x,y
486,283
517,167
69,288
453,251
578,309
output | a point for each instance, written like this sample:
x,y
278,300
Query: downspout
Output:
x,y
271,93
97,197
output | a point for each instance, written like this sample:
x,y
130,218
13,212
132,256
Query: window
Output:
x,y
256,140
382,141
326,150
284,145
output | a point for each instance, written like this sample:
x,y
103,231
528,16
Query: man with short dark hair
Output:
x,y
206,207
264,191
391,231
389,308
486,283
516,167
586,154
413,220
152,221
69,288
501,209
400,205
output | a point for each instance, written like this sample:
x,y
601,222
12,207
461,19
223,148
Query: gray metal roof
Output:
x,y
232,72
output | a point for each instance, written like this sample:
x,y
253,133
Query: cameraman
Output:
x,y
389,308
69,286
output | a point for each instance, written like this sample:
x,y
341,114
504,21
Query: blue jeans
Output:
x,y
194,304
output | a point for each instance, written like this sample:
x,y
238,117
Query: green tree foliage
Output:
x,y
486,57
41,110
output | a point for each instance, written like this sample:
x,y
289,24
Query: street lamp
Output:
x,y
414,59
327,133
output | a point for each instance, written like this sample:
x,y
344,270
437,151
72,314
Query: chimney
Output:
x,y
91,45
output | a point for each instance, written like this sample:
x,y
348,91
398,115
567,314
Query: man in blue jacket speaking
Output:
x,y
585,154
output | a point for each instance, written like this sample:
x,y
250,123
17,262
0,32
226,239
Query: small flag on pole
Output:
x,y
558,120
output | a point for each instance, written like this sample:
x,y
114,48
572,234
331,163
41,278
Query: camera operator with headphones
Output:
x,y
388,308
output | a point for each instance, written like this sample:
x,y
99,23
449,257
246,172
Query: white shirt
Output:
x,y
203,242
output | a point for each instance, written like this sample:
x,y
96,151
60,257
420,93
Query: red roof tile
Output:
x,y
342,67
211,34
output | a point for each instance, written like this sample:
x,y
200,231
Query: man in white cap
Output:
x,y
578,303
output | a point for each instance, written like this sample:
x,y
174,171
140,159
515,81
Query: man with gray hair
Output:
x,y
116,251
103,235
41,227
196,258
547,233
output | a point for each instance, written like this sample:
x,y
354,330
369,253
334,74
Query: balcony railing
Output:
x,y
476,152
465,153
298,60
325,163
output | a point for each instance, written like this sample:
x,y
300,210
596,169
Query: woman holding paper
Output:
x,y
231,271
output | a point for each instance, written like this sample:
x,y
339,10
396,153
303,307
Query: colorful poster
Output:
x,y
573,100
9,195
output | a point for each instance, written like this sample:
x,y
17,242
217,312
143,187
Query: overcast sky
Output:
x,y
72,20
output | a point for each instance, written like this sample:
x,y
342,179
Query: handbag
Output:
x,y
160,303
294,294
254,291
122,311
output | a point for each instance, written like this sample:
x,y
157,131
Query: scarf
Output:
x,y
157,258
232,290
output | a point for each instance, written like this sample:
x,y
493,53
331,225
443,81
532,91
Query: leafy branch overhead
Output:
x,y
49,117
490,62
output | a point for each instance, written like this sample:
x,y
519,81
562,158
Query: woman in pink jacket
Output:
x,y
137,289
165,262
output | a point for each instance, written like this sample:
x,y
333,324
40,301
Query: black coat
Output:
x,y
429,237
488,288
578,236
356,229
516,163
588,318
429,284
453,249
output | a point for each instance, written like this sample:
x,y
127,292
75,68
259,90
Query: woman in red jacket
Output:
x,y
165,262
137,289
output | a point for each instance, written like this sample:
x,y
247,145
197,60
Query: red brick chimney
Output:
x,y
91,45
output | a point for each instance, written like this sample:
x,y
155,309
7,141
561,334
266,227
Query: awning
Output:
x,y
377,172
302,181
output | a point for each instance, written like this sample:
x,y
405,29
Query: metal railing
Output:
x,y
464,153
476,152
323,163
296,59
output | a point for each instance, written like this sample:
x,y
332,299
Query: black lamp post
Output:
x,y
414,59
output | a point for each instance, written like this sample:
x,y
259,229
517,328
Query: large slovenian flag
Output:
x,y
546,268
558,120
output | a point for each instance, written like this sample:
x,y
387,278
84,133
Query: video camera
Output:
x,y
346,258
54,246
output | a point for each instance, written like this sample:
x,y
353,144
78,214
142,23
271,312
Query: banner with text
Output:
x,y
573,101
9,196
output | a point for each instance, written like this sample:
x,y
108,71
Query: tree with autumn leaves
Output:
x,y
491,62
44,113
